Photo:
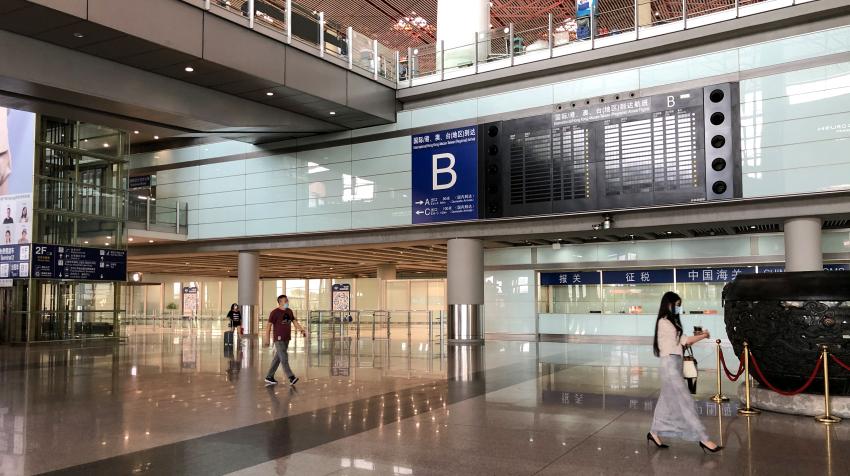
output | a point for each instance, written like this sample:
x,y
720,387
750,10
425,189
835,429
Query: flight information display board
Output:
x,y
636,152
77,263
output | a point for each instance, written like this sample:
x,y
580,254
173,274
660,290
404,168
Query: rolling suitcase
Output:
x,y
228,339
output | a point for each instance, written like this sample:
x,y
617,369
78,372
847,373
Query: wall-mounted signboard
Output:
x,y
341,297
445,175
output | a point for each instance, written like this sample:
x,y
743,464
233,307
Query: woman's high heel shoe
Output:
x,y
706,449
652,439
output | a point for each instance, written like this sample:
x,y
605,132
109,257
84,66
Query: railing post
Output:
x,y
375,58
206,4
475,47
350,41
637,21
592,28
321,34
397,67
684,14
737,8
148,213
551,33
511,42
827,418
748,410
177,218
442,60
289,21
430,328
251,14
719,397
410,67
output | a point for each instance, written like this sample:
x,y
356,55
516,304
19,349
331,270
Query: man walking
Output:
x,y
281,320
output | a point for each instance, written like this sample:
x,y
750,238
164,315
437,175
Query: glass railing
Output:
x,y
613,22
311,28
543,38
165,215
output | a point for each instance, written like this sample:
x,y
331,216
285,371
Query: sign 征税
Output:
x,y
445,175
638,276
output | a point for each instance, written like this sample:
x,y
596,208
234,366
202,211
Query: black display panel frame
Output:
x,y
657,145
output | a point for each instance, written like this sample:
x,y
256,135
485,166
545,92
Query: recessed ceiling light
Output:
x,y
105,144
130,239
269,93
85,242
79,35
189,69
150,241
333,113
135,132
108,237
107,244
156,137
752,227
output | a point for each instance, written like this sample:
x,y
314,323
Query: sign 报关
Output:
x,y
445,175
77,263
570,277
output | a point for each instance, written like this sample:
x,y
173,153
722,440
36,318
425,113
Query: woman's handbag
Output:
x,y
689,369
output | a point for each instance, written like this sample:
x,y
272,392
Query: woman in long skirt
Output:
x,y
675,413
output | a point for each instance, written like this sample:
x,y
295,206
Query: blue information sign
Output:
x,y
570,277
781,268
445,175
711,275
14,261
76,263
638,276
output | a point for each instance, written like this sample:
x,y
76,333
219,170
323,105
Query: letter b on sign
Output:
x,y
449,170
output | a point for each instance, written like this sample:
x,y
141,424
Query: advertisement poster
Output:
x,y
341,297
445,175
17,152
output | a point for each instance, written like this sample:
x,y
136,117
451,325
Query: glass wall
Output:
x,y
80,196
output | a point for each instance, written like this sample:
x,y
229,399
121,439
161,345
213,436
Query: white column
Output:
x,y
457,23
803,244
465,262
248,275
385,272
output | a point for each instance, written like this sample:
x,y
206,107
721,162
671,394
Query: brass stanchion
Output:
x,y
826,418
748,410
719,397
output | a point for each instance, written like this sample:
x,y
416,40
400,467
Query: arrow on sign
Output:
x,y
420,202
419,212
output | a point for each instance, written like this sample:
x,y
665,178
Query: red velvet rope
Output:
x,y
783,392
839,362
738,373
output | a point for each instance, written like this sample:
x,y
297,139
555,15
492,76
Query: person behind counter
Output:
x,y
675,412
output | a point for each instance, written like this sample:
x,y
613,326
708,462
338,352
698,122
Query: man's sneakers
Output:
x,y
293,380
271,381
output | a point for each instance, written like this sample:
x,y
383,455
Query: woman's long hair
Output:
x,y
667,310
234,305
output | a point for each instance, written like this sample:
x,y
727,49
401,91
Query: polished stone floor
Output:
x,y
172,401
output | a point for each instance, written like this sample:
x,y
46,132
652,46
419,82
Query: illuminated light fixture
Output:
x,y
135,132
150,241
333,113
106,145
136,277
752,227
130,239
107,244
189,69
270,94
156,137
109,237
85,242
79,35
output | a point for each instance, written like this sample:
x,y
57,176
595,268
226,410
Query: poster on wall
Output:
x,y
341,297
17,152
445,175
190,301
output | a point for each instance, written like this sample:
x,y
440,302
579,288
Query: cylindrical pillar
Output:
x,y
465,290
803,244
456,24
248,284
386,272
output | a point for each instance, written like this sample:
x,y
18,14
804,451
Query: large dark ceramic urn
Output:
x,y
785,317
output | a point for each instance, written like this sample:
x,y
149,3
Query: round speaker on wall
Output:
x,y
718,164
719,187
718,141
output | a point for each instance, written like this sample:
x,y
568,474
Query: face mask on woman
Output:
x,y
677,310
